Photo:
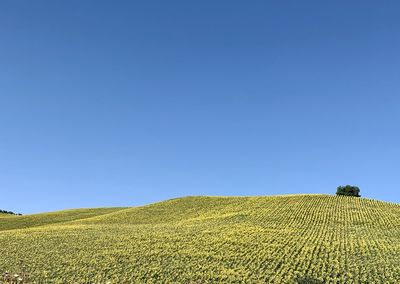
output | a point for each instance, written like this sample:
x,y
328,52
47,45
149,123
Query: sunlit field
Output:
x,y
279,239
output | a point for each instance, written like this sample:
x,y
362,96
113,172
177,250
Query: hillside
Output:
x,y
28,221
278,239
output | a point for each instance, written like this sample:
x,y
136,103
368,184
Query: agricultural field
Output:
x,y
278,239
9,222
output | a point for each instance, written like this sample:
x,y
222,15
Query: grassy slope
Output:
x,y
282,239
5,215
11,222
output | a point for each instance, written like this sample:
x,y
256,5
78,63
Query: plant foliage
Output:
x,y
348,190
281,239
8,212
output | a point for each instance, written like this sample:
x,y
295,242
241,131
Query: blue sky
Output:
x,y
117,103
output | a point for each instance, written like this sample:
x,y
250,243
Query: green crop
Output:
x,y
280,239
10,222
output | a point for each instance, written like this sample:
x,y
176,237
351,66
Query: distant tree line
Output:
x,y
8,212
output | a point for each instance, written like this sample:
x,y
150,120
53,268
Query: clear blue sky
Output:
x,y
116,103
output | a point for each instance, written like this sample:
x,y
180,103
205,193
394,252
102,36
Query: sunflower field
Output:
x,y
278,239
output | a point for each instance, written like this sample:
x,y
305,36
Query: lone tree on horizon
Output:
x,y
348,190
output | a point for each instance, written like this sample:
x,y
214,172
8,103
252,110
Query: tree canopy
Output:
x,y
348,190
8,212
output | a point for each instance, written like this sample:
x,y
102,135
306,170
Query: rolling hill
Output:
x,y
277,239
10,222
